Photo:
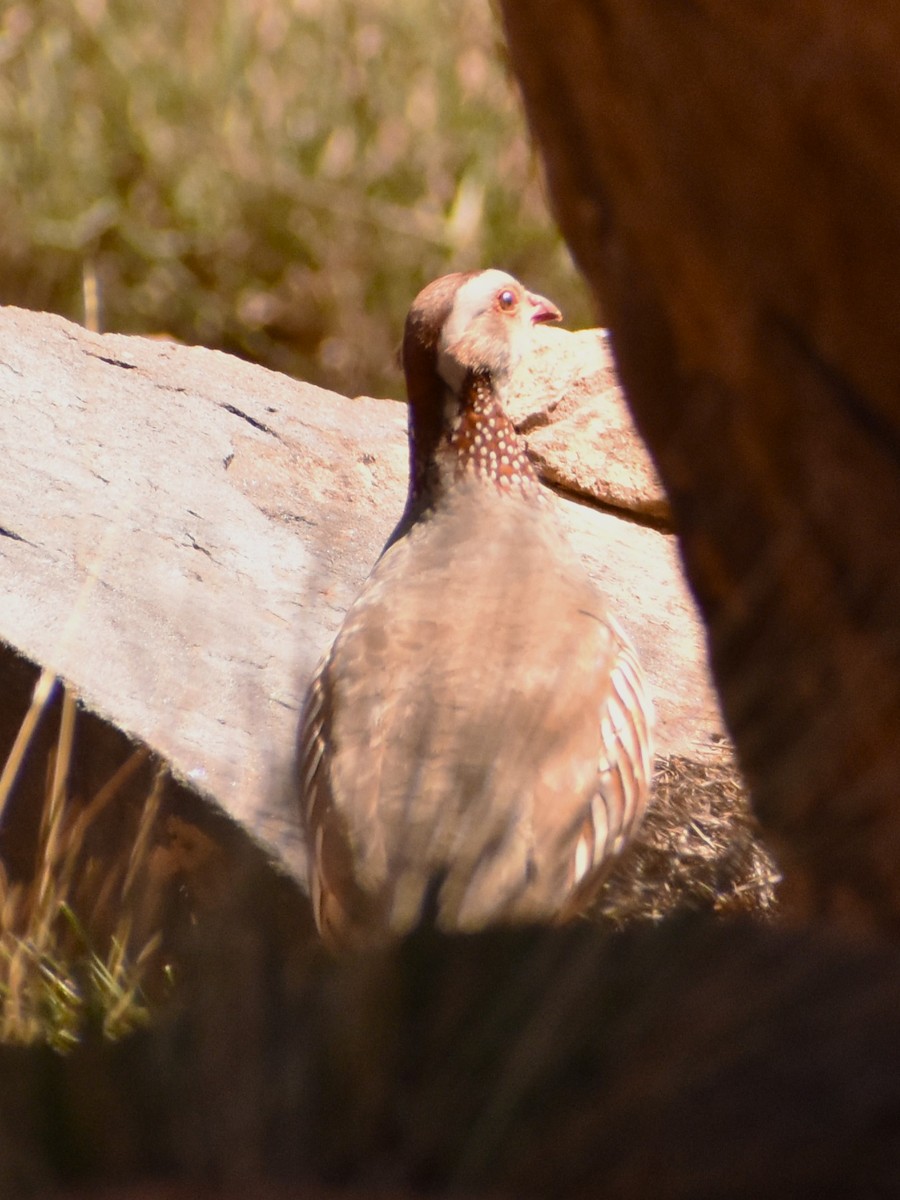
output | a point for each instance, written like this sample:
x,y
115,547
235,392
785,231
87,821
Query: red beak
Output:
x,y
542,310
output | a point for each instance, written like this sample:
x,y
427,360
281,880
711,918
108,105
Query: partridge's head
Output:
x,y
463,337
477,323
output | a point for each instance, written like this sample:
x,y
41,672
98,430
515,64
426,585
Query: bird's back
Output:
x,y
454,737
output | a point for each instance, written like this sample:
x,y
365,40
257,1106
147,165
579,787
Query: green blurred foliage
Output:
x,y
276,178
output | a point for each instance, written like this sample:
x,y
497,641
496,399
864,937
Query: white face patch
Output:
x,y
473,300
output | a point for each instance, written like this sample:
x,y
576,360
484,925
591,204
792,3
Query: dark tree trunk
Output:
x,y
728,177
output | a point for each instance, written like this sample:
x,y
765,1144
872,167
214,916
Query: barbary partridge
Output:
x,y
476,744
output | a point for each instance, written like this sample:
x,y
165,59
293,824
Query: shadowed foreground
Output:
x,y
682,1060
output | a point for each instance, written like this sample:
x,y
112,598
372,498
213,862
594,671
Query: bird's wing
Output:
x,y
339,905
624,770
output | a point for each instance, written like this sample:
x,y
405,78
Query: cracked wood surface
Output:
x,y
184,533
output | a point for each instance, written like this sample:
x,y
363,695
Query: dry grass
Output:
x,y
63,963
698,849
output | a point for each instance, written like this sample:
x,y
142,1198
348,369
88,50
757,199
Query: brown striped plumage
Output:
x,y
475,746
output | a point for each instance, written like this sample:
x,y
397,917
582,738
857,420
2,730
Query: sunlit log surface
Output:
x,y
728,177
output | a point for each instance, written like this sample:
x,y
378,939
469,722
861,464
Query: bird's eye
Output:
x,y
507,300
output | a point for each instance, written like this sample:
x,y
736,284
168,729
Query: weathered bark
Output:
x,y
728,177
